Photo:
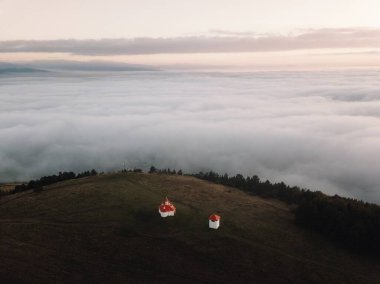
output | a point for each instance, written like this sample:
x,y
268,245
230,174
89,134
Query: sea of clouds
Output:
x,y
319,130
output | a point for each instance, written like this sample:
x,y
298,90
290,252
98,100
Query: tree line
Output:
x,y
167,171
350,222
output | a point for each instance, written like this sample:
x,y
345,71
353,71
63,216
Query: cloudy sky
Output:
x,y
240,33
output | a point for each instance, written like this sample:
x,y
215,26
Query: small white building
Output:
x,y
214,221
166,208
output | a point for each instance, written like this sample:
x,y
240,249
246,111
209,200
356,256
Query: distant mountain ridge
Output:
x,y
68,65
6,68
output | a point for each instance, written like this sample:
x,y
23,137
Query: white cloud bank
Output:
x,y
315,129
222,42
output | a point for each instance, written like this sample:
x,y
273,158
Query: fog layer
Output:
x,y
319,130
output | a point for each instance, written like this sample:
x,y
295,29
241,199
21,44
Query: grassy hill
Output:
x,y
106,229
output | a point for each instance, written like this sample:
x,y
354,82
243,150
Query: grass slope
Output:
x,y
106,229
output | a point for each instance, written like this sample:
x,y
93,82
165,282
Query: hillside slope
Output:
x,y
106,229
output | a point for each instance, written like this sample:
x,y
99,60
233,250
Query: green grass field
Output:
x,y
106,229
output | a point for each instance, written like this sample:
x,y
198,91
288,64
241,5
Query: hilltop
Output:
x,y
106,229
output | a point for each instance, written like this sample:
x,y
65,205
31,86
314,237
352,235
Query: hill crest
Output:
x,y
107,228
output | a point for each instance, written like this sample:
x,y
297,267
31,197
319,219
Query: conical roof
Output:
x,y
214,217
166,206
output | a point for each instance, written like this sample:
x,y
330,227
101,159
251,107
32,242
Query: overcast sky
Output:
x,y
83,19
341,32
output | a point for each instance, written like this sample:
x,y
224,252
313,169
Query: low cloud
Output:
x,y
314,129
219,42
